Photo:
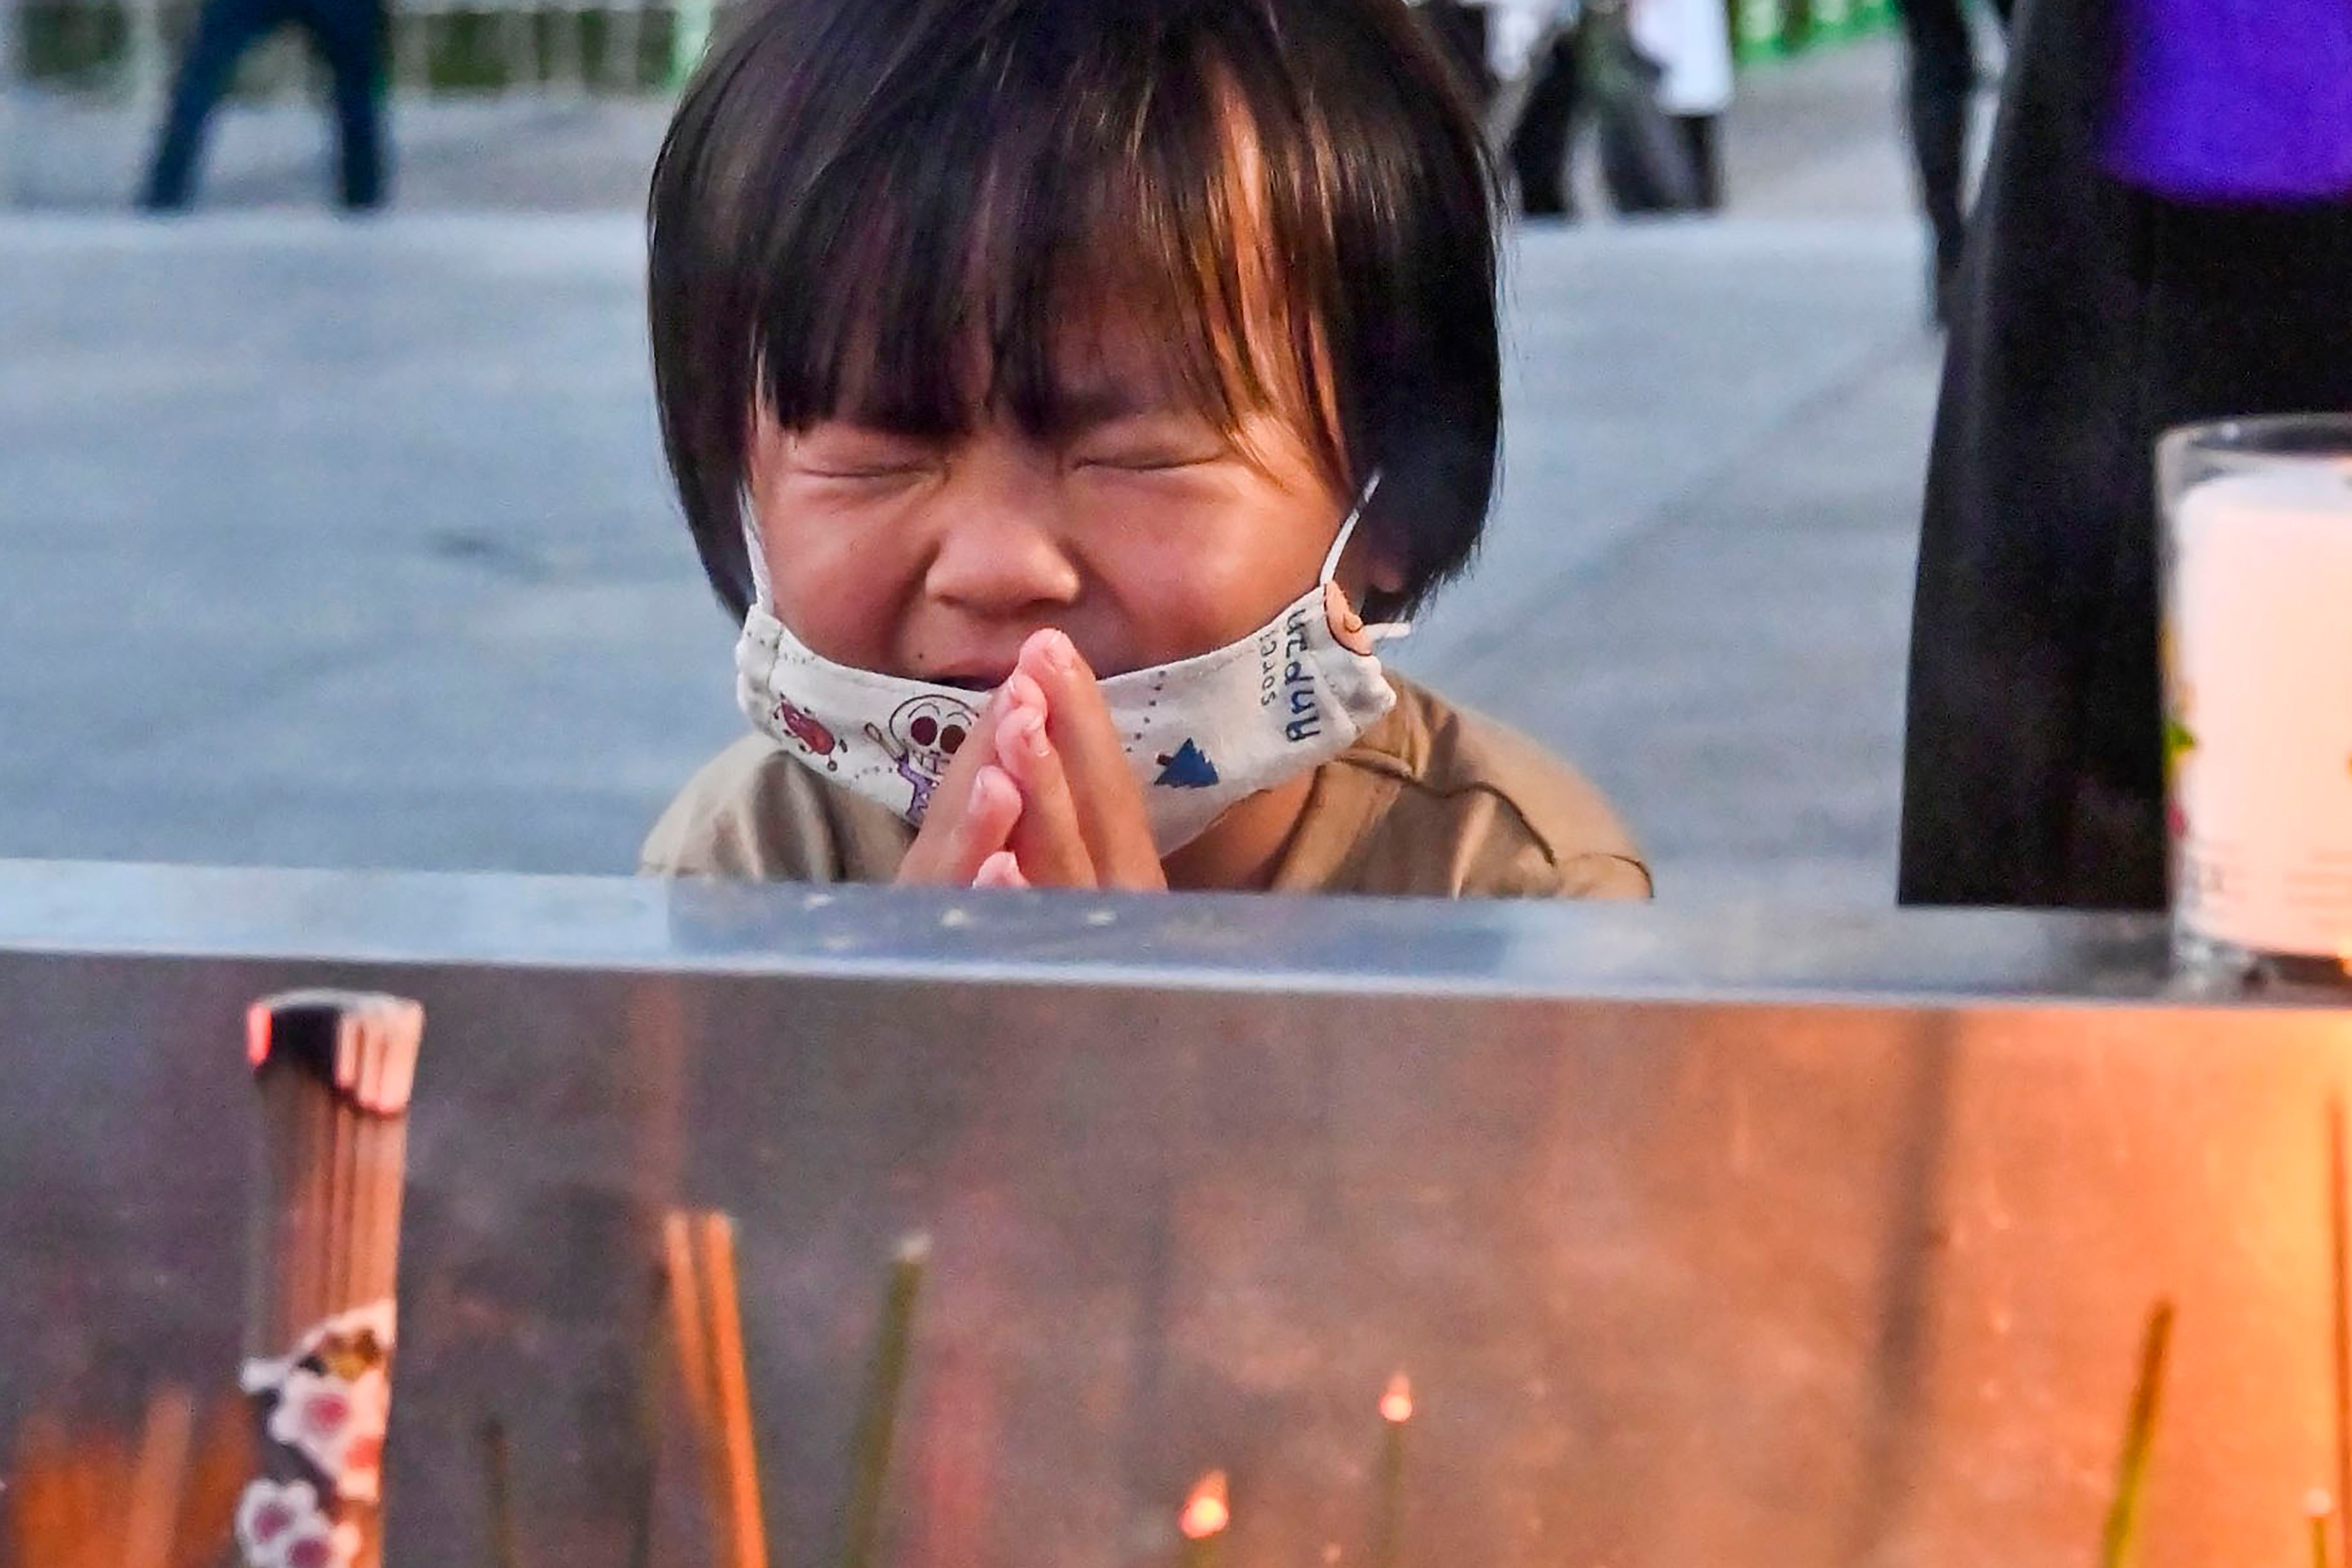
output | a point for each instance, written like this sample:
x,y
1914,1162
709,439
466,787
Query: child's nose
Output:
x,y
1000,551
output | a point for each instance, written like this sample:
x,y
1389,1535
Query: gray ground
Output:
x,y
347,544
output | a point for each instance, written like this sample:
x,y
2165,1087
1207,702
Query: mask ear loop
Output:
x,y
1383,631
761,594
763,597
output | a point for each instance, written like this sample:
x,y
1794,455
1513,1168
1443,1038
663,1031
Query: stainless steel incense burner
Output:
x,y
1734,1236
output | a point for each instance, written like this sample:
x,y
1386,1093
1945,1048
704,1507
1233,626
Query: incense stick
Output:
x,y
646,1411
1202,1523
153,1514
707,1327
223,1458
497,1491
1396,1410
88,1500
684,1296
39,1522
869,1469
2339,1238
2317,1507
2121,1534
691,1340
731,1396
334,1071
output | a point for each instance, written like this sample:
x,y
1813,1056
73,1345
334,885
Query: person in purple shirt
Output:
x,y
2233,101
2164,236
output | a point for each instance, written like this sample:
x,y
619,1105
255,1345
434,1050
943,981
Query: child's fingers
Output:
x,y
978,749
1048,840
964,828
1109,804
1000,870
930,857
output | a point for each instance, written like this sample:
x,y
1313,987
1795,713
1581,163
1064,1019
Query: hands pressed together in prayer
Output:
x,y
1039,795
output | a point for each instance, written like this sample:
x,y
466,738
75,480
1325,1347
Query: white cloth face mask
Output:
x,y
1200,734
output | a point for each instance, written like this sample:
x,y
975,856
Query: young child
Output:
x,y
1046,383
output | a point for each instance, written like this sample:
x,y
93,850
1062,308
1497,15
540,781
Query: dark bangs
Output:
x,y
912,211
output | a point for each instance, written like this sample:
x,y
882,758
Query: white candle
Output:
x,y
2260,727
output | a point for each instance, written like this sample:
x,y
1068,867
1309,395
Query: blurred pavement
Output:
x,y
348,544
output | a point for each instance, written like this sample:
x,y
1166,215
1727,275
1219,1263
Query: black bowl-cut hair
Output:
x,y
1292,198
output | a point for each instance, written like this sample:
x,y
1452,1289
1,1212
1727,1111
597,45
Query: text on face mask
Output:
x,y
1285,683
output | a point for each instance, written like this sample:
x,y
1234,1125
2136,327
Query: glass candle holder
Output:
x,y
2257,650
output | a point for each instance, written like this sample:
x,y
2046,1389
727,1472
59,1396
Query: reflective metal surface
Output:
x,y
1754,1239
1491,947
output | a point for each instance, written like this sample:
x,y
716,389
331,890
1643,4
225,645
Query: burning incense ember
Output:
x,y
1205,1514
1396,1409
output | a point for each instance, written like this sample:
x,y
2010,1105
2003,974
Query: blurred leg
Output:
x,y
349,37
1940,81
225,30
1539,147
1705,157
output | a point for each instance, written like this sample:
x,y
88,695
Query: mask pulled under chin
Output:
x,y
1200,734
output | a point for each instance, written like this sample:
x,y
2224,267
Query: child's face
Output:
x,y
1141,532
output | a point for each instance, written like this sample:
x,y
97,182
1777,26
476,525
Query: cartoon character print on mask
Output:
x,y
1187,767
925,731
803,728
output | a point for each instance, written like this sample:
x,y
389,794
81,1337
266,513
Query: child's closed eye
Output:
x,y
1151,461
865,472
1147,447
858,456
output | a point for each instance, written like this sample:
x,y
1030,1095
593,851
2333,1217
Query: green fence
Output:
x,y
456,49
1769,29
450,49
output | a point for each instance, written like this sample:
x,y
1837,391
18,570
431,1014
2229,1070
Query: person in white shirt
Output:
x,y
1659,155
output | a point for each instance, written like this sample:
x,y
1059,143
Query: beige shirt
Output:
x,y
1432,800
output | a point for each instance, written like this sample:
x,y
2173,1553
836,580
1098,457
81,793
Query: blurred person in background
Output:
x,y
1691,40
2164,236
1655,76
1939,89
1509,56
349,36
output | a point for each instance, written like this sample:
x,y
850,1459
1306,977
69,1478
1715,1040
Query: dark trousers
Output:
x,y
1705,157
1939,86
1538,157
1547,132
1539,146
2094,316
348,34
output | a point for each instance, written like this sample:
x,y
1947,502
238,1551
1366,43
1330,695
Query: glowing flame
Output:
x,y
2318,1504
1205,1513
256,1036
1396,1404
